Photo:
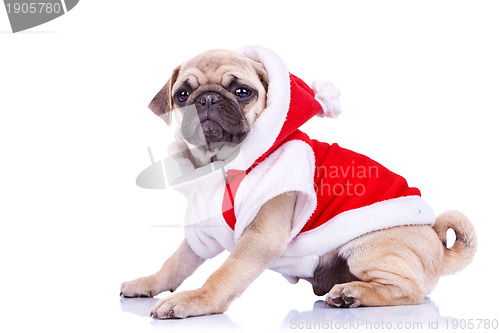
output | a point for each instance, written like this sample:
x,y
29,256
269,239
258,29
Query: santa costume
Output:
x,y
341,195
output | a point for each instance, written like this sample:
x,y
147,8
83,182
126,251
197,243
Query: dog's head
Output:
x,y
215,96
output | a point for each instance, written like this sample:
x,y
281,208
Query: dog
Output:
x,y
274,198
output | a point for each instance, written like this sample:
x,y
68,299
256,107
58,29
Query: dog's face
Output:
x,y
216,97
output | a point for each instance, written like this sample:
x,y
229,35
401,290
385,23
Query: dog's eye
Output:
x,y
242,92
182,96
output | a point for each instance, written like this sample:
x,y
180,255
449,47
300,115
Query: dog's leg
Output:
x,y
261,243
173,272
397,266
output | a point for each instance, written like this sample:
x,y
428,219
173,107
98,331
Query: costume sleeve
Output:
x,y
289,168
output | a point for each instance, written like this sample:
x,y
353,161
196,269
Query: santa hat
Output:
x,y
290,103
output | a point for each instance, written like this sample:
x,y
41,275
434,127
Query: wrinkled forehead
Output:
x,y
216,67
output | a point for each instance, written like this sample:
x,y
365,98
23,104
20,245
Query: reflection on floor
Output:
x,y
415,317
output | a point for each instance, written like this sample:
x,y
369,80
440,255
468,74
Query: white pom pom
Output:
x,y
327,94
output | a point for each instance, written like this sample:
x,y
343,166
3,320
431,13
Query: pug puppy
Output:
x,y
226,93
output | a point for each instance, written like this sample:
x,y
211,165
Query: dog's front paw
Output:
x,y
343,296
187,304
141,287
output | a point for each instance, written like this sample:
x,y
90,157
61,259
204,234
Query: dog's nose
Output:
x,y
209,98
207,103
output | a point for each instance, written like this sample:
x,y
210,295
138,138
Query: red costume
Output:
x,y
341,195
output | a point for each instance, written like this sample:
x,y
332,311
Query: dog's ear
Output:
x,y
162,103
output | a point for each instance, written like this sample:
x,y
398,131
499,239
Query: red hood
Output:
x,y
303,106
290,103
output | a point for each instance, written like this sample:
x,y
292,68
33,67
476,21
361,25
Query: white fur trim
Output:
x,y
411,210
302,255
268,125
275,176
200,239
293,267
206,231
327,94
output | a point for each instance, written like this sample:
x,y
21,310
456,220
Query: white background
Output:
x,y
420,86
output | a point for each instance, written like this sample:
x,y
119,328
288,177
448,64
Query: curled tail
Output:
x,y
461,253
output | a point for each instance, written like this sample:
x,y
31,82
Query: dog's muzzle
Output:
x,y
218,119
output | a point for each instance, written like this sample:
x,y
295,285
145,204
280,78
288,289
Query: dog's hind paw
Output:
x,y
343,296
